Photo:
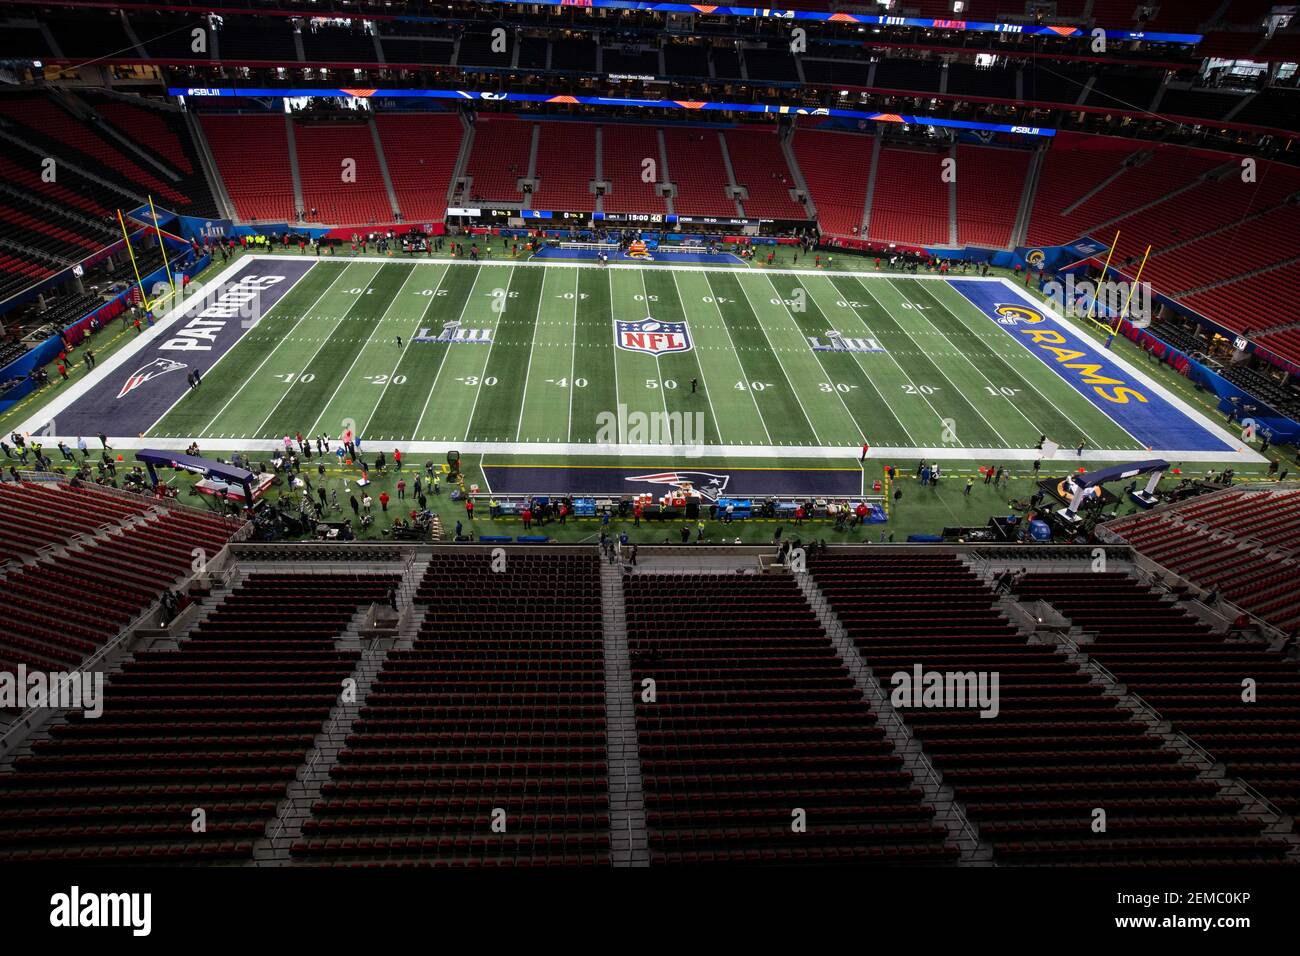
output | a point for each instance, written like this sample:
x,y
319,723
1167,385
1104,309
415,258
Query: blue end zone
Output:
x,y
139,391
1092,371
714,483
659,255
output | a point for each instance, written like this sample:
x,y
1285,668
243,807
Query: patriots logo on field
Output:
x,y
1016,314
159,366
708,484
652,336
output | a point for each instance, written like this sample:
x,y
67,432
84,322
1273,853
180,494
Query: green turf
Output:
x,y
326,358
431,390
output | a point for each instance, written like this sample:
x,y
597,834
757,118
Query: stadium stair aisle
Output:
x,y
220,723
295,809
825,157
629,844
756,725
1191,675
484,744
1059,747
948,811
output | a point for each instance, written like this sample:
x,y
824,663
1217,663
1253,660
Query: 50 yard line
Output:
x,y
717,427
663,392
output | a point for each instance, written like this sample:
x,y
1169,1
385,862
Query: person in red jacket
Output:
x,y
383,501
798,515
469,508
527,515
397,460
564,512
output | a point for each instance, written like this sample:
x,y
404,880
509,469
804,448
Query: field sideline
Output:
x,y
939,374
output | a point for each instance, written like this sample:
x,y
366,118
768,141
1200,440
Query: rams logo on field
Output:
x,y
1035,257
652,336
1016,314
1090,370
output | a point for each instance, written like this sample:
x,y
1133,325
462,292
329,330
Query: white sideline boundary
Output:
x,y
673,266
682,454
1243,455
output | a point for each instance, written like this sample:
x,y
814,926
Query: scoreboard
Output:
x,y
499,214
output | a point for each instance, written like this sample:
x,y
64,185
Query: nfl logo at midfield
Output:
x,y
652,336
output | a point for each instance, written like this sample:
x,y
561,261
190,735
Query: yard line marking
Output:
x,y
717,308
573,357
897,365
960,393
962,353
717,427
438,374
532,347
257,431
344,377
384,391
244,384
1004,359
663,392
858,315
820,362
614,357
857,360
496,329
789,381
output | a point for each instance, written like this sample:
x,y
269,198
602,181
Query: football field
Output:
x,y
576,359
